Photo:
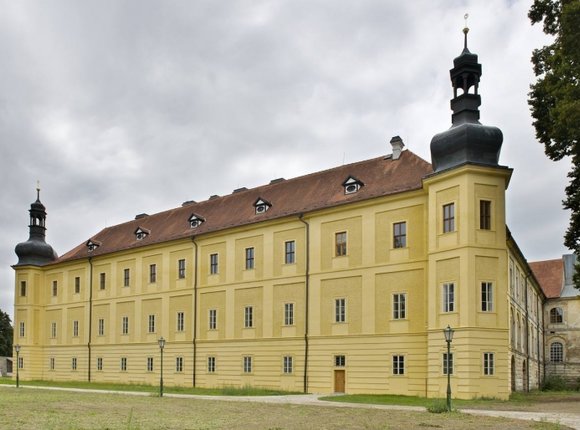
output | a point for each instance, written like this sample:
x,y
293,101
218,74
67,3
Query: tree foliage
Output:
x,y
555,99
5,335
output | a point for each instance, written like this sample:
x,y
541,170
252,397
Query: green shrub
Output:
x,y
438,406
554,383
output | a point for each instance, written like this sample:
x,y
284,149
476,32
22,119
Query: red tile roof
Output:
x,y
550,275
381,176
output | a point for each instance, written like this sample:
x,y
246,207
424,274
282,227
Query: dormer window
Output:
x,y
351,185
261,206
92,245
141,233
195,220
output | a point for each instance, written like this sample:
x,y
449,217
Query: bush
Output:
x,y
558,383
438,406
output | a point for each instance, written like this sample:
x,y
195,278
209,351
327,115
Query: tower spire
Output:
x,y
465,31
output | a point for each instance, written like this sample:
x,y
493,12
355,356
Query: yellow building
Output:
x,y
338,281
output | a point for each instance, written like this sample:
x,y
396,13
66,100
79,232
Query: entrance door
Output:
x,y
339,378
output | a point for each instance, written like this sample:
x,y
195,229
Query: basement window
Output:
x,y
352,185
262,206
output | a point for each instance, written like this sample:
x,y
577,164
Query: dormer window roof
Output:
x,y
92,244
195,220
262,206
352,185
141,233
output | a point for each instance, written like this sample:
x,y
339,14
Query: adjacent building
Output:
x,y
338,281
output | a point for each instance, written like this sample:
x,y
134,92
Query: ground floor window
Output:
x,y
339,361
398,364
556,352
179,364
488,363
247,364
74,363
123,364
100,363
288,364
448,363
149,364
211,364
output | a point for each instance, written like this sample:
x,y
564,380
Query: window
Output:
x,y
151,327
22,331
141,233
53,330
103,281
22,288
99,363
556,316
195,220
126,277
123,364
288,313
125,325
180,321
54,288
249,258
556,352
485,215
152,273
52,363
101,327
290,252
247,364
398,364
399,306
340,310
287,365
399,235
488,365
340,244
486,296
21,362
179,364
149,364
77,285
213,264
449,218
352,185
261,206
210,364
448,297
248,317
213,319
181,269
74,363
447,363
339,361
75,328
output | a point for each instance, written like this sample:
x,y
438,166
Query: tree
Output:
x,y
555,100
6,335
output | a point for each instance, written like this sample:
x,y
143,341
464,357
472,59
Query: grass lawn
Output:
x,y
223,391
27,408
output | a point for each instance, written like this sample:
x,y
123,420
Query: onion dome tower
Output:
x,y
35,251
467,141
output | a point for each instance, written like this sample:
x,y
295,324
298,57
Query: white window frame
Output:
x,y
288,314
399,306
448,297
212,324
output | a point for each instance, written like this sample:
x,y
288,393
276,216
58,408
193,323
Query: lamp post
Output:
x,y
448,338
17,348
161,342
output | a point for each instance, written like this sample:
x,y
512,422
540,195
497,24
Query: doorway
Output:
x,y
339,381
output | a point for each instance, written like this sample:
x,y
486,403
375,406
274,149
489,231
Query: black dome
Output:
x,y
35,252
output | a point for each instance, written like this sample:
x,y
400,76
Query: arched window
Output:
x,y
556,352
556,316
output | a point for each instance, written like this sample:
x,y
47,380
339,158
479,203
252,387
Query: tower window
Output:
x,y
485,215
448,297
400,235
449,218
54,288
340,244
556,316
22,288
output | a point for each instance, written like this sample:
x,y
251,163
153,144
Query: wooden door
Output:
x,y
339,381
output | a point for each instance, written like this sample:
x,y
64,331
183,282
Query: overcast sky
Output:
x,y
124,107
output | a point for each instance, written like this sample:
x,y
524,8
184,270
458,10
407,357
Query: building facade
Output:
x,y
338,281
561,317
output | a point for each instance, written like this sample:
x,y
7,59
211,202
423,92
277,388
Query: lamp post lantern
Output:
x,y
17,348
448,338
161,342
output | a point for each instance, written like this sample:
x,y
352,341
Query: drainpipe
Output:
x,y
307,292
90,313
527,387
194,311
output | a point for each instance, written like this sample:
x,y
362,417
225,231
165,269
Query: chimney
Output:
x,y
398,145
